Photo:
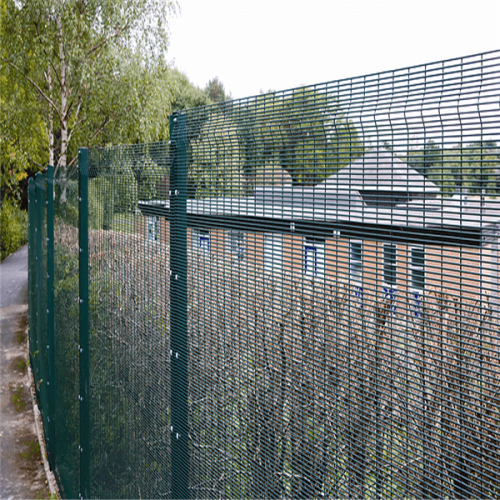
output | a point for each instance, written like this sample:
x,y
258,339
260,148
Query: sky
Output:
x,y
257,46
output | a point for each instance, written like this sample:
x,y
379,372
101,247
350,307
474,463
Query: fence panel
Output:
x,y
320,264
41,298
342,288
129,324
66,327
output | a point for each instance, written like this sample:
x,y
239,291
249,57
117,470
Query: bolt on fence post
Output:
x,y
178,310
84,354
50,315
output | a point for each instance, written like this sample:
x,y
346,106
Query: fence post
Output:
x,y
39,367
32,280
178,312
84,347
50,316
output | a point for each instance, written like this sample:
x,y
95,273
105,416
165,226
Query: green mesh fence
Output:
x,y
39,294
343,288
129,325
66,295
54,314
295,297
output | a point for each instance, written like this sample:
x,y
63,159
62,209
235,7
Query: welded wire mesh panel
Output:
x,y
343,288
40,354
129,322
66,326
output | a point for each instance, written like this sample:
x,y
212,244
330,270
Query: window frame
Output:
x,y
417,293
417,268
316,247
390,267
198,236
236,244
356,271
153,228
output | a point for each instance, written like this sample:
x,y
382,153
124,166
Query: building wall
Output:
x,y
141,228
455,270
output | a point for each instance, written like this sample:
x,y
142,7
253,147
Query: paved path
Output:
x,y
21,469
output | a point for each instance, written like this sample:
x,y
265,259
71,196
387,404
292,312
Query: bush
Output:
x,y
67,211
13,228
124,184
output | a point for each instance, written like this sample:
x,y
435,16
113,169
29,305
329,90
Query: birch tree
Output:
x,y
86,63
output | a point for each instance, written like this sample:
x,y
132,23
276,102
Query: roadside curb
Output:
x,y
51,480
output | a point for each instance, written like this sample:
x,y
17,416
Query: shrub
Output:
x,y
101,203
13,228
68,210
124,184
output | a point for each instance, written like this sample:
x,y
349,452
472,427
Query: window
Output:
x,y
153,228
273,253
201,240
356,262
390,275
236,244
417,260
417,278
314,258
390,269
356,269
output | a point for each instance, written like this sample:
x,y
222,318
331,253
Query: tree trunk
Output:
x,y
61,164
50,131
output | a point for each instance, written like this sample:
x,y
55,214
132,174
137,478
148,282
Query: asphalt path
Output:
x,y
21,468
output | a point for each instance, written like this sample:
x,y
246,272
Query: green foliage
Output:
x,y
216,169
149,176
101,203
80,74
305,133
23,138
470,169
17,399
216,92
66,293
67,211
184,94
426,159
13,228
125,189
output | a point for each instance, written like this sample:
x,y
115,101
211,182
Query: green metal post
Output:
x,y
50,316
38,276
41,378
84,347
178,313
32,268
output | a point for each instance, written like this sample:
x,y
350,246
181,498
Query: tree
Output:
x,y
425,159
305,133
216,92
470,169
215,166
82,64
22,133
185,94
